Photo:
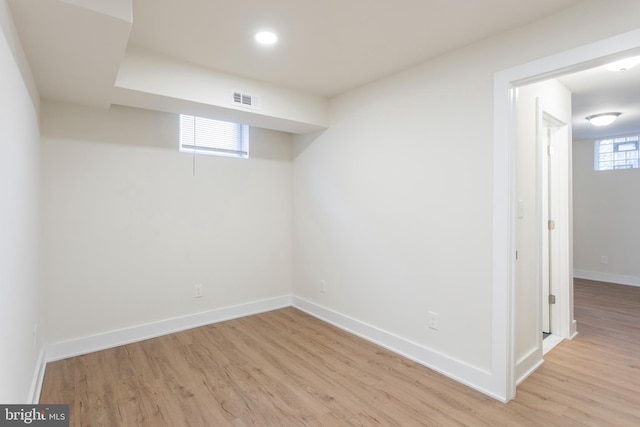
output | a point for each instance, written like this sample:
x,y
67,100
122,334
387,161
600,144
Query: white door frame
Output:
x,y
554,203
545,149
504,198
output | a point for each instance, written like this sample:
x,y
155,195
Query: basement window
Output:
x,y
200,135
617,153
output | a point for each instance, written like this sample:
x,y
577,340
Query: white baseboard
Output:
x,y
89,344
550,342
528,363
620,279
459,371
38,378
464,373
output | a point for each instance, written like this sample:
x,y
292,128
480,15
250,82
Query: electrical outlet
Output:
x,y
604,259
198,291
433,320
323,286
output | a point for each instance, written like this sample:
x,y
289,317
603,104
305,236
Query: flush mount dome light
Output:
x,y
623,64
602,119
266,37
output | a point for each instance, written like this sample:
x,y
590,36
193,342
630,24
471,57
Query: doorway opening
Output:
x,y
543,222
504,198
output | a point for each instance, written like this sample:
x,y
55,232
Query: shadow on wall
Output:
x,y
144,128
302,142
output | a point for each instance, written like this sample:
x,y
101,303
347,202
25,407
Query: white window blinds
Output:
x,y
208,136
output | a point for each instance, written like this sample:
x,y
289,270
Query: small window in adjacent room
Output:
x,y
207,136
617,153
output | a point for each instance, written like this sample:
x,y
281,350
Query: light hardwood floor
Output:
x,y
286,368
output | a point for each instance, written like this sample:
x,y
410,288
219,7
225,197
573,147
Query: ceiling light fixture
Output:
x,y
266,37
623,64
602,119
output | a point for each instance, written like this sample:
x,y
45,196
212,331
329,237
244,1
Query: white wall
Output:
x,y
606,212
393,203
19,241
128,230
386,216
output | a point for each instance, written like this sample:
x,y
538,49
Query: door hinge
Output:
x,y
516,255
549,150
551,224
552,299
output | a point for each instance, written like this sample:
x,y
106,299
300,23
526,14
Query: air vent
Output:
x,y
246,100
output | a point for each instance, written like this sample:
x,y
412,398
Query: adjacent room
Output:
x,y
321,213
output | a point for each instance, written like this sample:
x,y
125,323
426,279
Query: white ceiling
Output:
x,y
77,48
326,47
598,90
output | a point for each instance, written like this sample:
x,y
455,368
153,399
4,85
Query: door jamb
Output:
x,y
559,138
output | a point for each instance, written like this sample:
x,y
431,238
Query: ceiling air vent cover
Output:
x,y
246,100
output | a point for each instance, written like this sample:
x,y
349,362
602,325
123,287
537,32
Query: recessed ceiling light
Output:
x,y
266,37
603,119
623,64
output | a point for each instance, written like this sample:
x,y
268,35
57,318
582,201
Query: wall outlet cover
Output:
x,y
433,320
323,286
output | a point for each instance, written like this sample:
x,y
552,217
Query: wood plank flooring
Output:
x,y
593,380
286,368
